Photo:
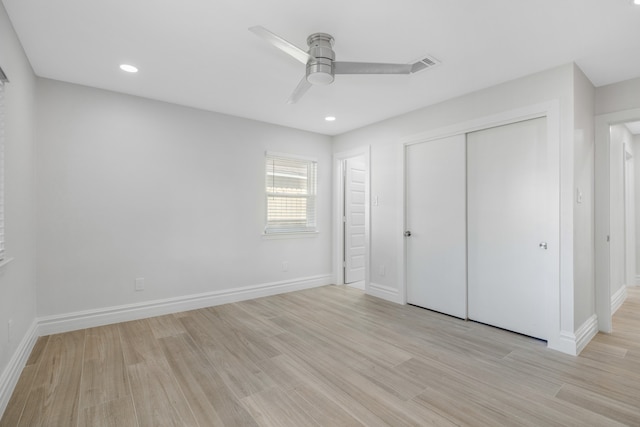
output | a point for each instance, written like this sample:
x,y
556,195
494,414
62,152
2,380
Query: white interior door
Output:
x,y
354,224
436,219
510,225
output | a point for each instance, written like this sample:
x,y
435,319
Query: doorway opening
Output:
x,y
617,151
623,199
351,226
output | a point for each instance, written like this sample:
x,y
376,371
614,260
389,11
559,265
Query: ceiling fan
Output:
x,y
321,64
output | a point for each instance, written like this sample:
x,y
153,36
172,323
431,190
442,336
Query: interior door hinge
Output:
x,y
344,264
344,218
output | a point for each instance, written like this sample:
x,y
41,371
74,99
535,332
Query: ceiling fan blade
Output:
x,y
370,68
281,44
300,90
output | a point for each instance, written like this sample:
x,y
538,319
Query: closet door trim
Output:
x,y
562,336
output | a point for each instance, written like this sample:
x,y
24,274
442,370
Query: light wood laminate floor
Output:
x,y
329,356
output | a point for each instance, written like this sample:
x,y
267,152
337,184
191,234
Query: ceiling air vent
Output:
x,y
424,63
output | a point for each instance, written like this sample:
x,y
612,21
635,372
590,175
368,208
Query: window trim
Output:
x,y
274,232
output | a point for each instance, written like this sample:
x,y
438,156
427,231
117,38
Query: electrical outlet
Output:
x,y
10,330
140,284
285,265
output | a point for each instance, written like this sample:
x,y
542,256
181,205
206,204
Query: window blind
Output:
x,y
290,194
3,80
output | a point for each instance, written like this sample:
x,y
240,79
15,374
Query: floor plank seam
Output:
x,y
133,403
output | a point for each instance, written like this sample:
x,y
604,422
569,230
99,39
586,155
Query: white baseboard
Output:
x,y
586,332
564,343
574,343
105,316
385,292
11,373
618,299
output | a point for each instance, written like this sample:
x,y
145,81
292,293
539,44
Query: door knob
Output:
x,y
407,233
543,245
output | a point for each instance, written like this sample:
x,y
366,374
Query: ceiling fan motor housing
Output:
x,y
320,66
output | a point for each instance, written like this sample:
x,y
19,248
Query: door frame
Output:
x,y
603,215
338,203
629,219
561,335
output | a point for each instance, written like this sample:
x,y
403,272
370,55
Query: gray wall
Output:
x,y
129,187
618,97
584,219
17,279
636,168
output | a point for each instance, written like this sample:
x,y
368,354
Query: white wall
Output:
x,y
17,279
584,225
129,187
386,218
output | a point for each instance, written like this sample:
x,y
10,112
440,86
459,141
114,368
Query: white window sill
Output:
x,y
294,235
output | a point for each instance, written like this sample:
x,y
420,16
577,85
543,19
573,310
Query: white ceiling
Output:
x,y
199,53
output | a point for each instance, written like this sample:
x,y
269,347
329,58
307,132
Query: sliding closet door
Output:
x,y
510,227
436,222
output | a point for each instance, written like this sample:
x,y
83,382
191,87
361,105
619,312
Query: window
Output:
x,y
3,80
290,194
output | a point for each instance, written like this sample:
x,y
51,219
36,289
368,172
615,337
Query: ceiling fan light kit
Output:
x,y
321,66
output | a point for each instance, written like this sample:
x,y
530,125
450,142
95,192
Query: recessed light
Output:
x,y
333,119
636,2
128,68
